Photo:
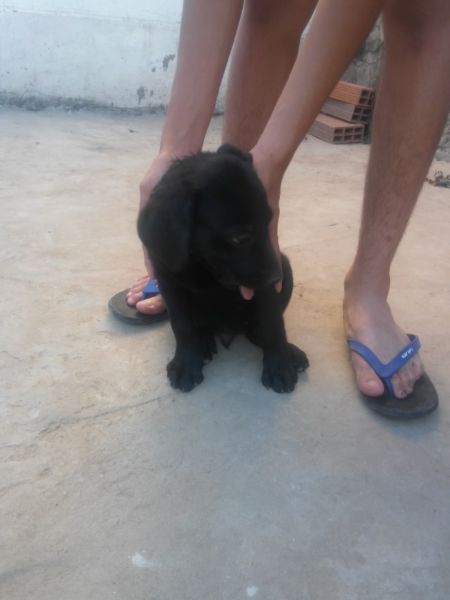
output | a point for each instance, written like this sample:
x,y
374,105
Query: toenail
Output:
x,y
372,383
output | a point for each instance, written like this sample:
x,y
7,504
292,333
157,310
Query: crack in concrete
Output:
x,y
6,353
11,486
54,426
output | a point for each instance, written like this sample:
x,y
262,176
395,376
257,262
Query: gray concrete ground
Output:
x,y
115,486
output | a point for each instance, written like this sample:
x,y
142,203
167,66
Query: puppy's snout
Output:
x,y
270,276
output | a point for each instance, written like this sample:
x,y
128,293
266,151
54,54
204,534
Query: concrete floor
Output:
x,y
115,486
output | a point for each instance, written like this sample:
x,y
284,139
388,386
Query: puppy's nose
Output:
x,y
270,276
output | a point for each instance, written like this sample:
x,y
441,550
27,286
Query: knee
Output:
x,y
263,12
417,25
279,15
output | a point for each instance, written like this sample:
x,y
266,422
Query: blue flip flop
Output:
x,y
420,402
129,314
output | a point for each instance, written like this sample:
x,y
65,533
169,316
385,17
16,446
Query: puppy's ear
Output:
x,y
165,226
235,151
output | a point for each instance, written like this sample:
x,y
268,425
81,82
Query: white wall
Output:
x,y
101,52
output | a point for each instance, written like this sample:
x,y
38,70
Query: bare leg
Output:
x,y
412,105
264,52
337,30
208,28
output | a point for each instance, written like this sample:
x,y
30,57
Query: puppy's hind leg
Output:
x,y
298,358
208,345
288,282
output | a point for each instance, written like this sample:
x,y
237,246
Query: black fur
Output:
x,y
206,231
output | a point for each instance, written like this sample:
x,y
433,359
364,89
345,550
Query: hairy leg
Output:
x,y
337,30
412,105
264,52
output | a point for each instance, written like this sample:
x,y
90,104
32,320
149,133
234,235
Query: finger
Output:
x,y
273,232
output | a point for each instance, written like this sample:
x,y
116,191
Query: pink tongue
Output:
x,y
247,293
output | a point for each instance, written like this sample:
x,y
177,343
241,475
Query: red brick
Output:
x,y
336,131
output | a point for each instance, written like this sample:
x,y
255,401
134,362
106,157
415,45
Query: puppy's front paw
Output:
x,y
185,371
280,370
298,357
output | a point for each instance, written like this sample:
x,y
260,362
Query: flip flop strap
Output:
x,y
151,289
386,370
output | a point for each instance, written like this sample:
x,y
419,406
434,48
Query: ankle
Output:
x,y
364,285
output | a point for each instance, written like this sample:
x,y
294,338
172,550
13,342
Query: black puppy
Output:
x,y
206,232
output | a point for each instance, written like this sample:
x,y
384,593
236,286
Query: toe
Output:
x,y
417,367
403,381
400,385
138,286
366,379
134,294
134,297
153,305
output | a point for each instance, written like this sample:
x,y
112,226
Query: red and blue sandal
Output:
x,y
120,308
422,401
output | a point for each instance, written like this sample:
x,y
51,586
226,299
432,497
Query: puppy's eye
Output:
x,y
241,239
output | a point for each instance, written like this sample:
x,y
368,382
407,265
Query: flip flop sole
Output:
x,y
423,401
128,314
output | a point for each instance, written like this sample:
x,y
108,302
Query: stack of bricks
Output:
x,y
345,115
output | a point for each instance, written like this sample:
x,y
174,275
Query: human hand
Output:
x,y
135,296
152,176
272,185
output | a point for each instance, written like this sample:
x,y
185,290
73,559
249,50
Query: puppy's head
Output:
x,y
230,234
212,209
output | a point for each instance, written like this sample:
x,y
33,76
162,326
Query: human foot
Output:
x,y
148,306
368,319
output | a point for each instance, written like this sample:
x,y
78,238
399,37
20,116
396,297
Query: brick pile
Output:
x,y
345,116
